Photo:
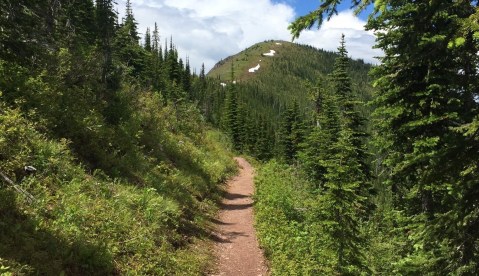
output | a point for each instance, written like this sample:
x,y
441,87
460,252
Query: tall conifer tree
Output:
x,y
148,40
106,20
426,89
427,86
291,133
350,105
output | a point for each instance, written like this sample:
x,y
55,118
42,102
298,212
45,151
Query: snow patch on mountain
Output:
x,y
254,69
270,54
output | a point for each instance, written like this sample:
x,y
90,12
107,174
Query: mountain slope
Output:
x,y
282,78
284,73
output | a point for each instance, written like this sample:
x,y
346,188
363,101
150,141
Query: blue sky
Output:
x,y
303,7
207,31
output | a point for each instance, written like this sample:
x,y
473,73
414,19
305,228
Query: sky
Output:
x,y
207,31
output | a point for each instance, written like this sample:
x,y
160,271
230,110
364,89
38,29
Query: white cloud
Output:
x,y
209,30
359,42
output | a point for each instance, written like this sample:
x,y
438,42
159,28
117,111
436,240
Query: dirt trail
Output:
x,y
236,245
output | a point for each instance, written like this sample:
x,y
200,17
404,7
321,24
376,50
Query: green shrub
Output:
x,y
95,224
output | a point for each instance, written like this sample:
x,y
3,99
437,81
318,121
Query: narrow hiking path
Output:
x,y
236,246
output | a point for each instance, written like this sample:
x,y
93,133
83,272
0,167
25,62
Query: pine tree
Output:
x,y
186,78
427,85
76,24
351,112
316,148
263,146
106,20
172,66
129,22
242,125
291,133
23,33
148,40
230,115
420,106
156,59
156,41
341,205
341,79
202,76
350,105
127,49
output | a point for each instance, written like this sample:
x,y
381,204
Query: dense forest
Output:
x,y
106,165
395,192
269,112
112,150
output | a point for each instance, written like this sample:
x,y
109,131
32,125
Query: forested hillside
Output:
x,y
258,108
106,167
398,195
112,150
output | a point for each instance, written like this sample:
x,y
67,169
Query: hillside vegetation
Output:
x,y
112,153
395,191
255,106
284,77
106,167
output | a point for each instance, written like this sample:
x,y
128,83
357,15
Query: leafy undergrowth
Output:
x,y
149,220
289,235
294,233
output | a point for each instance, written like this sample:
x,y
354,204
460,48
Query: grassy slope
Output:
x,y
86,223
247,59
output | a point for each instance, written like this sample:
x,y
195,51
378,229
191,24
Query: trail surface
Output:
x,y
237,248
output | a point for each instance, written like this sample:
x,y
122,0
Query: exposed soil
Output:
x,y
236,246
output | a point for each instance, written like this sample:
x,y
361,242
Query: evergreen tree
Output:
x,y
186,78
106,20
127,49
291,133
156,41
427,84
242,120
129,22
341,205
172,63
230,115
420,105
350,105
202,73
317,146
156,59
341,79
148,40
76,23
263,146
23,32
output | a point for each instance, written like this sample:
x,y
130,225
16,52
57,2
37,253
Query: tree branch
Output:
x,y
17,188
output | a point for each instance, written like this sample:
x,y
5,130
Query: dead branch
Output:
x,y
17,188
